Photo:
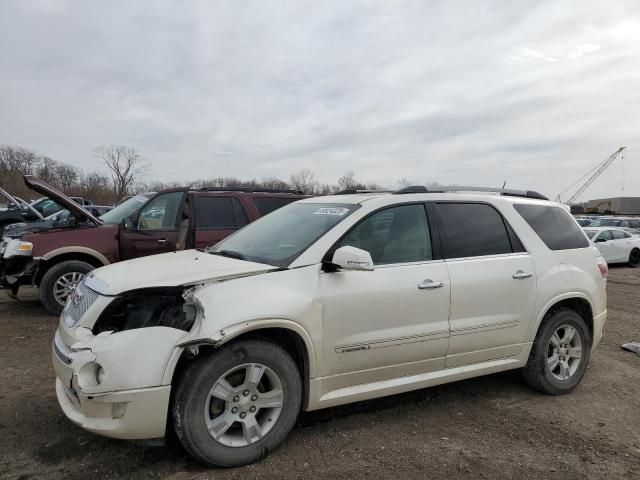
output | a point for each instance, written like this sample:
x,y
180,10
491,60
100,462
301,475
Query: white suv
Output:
x,y
328,301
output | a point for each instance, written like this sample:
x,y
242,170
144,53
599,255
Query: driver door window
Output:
x,y
161,212
394,235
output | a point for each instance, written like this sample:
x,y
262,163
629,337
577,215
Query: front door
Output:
x,y
392,321
156,227
493,283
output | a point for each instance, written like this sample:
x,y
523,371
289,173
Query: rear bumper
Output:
x,y
598,326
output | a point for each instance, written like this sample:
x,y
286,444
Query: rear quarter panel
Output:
x,y
560,274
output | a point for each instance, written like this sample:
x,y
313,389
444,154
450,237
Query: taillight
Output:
x,y
602,265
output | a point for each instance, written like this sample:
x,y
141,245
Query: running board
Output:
x,y
393,386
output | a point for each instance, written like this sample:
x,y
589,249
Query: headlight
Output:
x,y
153,307
17,248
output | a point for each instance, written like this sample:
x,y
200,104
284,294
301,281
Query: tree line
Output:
x,y
127,171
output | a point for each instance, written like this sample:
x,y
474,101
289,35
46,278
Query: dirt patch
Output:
x,y
490,427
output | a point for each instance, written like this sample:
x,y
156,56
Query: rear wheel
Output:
x,y
237,405
634,258
59,282
560,352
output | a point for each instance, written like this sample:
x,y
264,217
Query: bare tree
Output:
x,y
47,169
66,177
124,163
305,181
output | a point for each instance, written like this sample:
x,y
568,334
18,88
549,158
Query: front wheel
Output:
x,y
235,406
634,258
59,282
560,352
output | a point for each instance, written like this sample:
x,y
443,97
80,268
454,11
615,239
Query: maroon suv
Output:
x,y
176,219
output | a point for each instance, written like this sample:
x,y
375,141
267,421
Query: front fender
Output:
x,y
228,333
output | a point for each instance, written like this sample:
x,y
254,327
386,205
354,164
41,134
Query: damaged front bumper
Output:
x,y
108,387
17,271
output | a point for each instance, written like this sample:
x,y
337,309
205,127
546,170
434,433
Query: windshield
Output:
x,y
590,233
280,237
124,210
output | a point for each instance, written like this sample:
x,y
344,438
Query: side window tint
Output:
x,y
219,212
472,229
606,234
554,225
266,205
161,212
618,234
393,235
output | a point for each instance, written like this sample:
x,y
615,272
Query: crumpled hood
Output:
x,y
168,270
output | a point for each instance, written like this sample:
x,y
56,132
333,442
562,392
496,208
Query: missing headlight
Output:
x,y
158,307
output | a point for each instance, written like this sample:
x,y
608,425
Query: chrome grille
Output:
x,y
79,302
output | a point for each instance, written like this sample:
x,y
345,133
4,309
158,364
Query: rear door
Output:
x,y
492,283
621,244
217,217
155,227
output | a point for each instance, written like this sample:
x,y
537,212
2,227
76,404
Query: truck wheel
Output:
x,y
560,353
235,406
634,258
59,281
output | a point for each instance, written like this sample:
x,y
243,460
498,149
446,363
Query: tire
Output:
x,y
193,406
72,269
634,258
564,377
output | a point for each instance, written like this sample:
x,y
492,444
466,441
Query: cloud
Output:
x,y
534,93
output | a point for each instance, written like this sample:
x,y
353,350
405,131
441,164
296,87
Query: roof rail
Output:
x,y
457,188
250,190
351,191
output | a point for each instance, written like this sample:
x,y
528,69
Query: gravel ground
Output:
x,y
491,427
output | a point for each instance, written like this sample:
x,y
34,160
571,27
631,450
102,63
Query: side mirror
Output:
x,y
127,224
352,258
600,240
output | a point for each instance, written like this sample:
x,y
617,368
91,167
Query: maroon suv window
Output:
x,y
219,212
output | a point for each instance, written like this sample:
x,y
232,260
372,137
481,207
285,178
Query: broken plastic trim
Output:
x,y
149,307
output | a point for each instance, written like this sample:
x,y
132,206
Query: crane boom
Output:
x,y
601,168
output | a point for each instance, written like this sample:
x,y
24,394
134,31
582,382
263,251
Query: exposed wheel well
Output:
x,y
289,340
578,305
45,265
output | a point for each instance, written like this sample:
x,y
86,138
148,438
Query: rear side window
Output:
x,y
619,234
267,205
219,212
472,230
554,225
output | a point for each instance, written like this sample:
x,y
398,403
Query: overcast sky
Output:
x,y
532,92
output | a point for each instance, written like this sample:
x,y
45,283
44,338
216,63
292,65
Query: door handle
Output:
x,y
429,284
519,275
162,241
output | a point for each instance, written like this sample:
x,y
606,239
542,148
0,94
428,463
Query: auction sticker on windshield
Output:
x,y
331,211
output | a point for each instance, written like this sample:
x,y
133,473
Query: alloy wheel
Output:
x,y
244,405
65,285
564,353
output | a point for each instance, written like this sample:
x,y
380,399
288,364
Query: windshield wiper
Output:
x,y
229,253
